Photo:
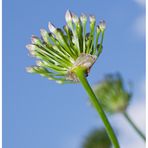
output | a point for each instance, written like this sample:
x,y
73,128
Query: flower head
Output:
x,y
60,52
97,138
112,94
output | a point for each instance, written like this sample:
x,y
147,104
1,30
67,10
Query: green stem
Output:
x,y
134,126
81,75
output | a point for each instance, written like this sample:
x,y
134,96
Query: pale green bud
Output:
x,y
92,19
98,29
75,18
102,25
45,36
35,40
83,18
43,32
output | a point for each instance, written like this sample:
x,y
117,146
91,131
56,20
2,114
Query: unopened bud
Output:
x,y
92,19
44,35
102,25
98,29
30,47
51,27
75,18
59,81
35,40
43,32
68,16
39,63
83,18
29,69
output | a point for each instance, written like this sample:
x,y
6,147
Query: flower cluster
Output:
x,y
59,51
112,94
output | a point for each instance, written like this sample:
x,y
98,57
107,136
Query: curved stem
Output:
x,y
81,75
134,126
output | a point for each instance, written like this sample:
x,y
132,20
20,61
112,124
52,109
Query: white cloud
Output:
x,y
128,138
140,2
138,112
139,25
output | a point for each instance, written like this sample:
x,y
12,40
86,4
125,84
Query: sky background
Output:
x,y
40,113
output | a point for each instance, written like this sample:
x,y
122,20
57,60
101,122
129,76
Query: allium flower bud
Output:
x,y
51,27
39,63
75,18
29,69
83,18
102,25
31,50
68,16
92,18
35,40
98,29
44,35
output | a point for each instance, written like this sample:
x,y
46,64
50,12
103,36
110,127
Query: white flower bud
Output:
x,y
102,25
35,40
68,16
75,18
44,35
39,63
43,32
92,18
29,69
49,78
98,29
51,27
30,47
59,82
83,18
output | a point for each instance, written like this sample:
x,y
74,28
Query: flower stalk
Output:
x,y
81,75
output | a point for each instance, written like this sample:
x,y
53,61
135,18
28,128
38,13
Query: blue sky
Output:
x,y
40,113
